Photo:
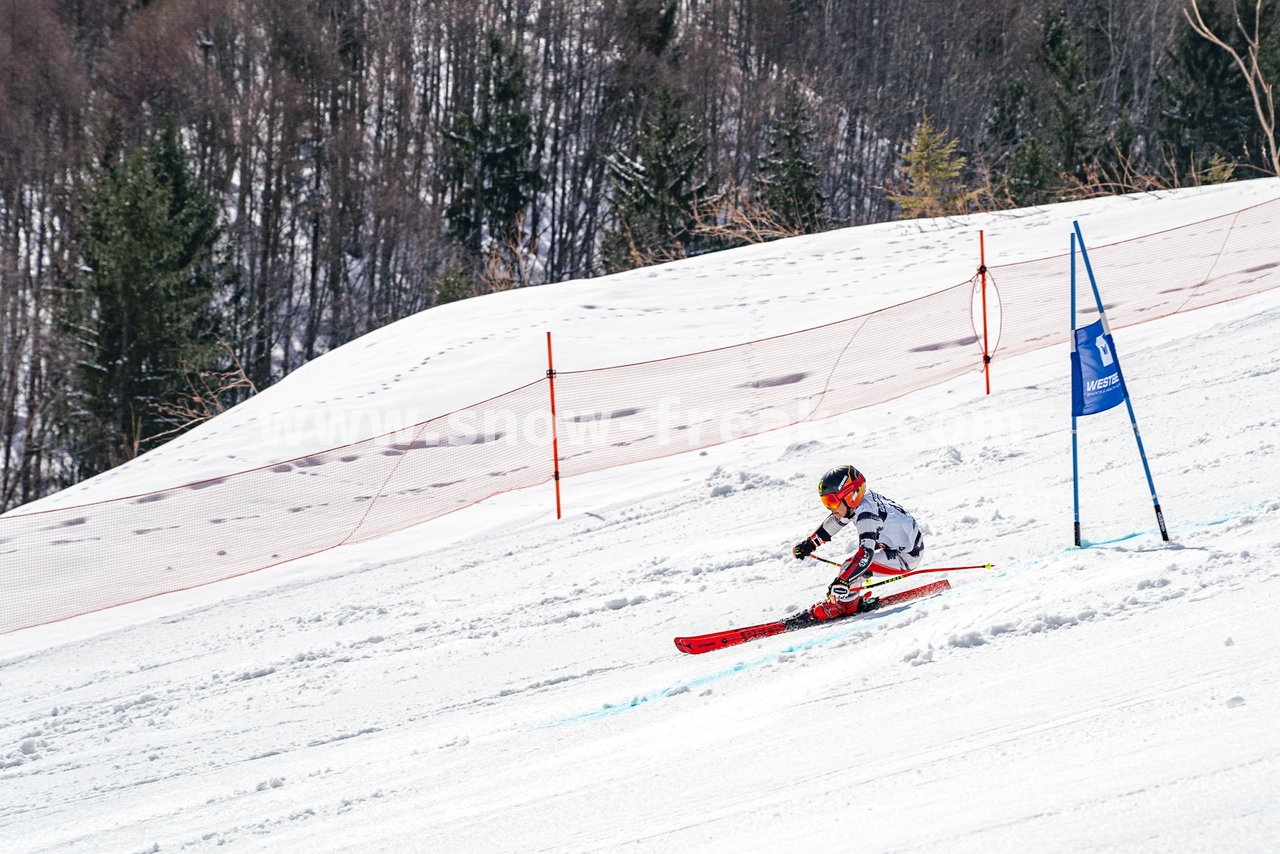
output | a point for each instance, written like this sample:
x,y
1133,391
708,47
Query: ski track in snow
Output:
x,y
498,681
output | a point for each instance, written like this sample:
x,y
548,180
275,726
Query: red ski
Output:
x,y
720,640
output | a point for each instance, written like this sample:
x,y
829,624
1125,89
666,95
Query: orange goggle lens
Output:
x,y
832,499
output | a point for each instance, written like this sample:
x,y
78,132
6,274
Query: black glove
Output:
x,y
806,547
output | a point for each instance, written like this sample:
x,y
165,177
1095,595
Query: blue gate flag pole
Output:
x,y
1103,392
1075,441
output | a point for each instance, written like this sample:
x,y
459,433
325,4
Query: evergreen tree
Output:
x,y
142,298
649,25
489,153
1007,118
1032,177
452,284
1204,106
1068,132
657,191
788,175
932,175
1049,124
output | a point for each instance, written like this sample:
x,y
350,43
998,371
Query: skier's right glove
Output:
x,y
841,591
806,547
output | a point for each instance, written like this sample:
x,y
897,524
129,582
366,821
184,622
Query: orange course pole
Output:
x,y
555,437
982,271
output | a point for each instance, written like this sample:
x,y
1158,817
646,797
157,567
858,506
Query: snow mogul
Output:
x,y
889,540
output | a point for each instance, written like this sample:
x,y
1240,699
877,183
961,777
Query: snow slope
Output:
x,y
439,360
496,681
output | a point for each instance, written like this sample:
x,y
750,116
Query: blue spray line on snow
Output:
x,y
868,624
863,625
1087,544
1185,527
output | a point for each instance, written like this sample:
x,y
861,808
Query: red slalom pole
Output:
x,y
555,437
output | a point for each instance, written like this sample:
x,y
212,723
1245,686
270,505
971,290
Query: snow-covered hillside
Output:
x,y
497,680
445,358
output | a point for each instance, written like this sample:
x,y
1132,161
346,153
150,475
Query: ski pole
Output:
x,y
918,571
912,572
923,571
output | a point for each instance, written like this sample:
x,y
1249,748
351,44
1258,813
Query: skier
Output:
x,y
889,541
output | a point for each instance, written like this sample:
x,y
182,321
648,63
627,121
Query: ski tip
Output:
x,y
694,645
719,640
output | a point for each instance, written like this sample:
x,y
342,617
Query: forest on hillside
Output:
x,y
199,196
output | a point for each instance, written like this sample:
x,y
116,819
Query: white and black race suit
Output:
x,y
884,528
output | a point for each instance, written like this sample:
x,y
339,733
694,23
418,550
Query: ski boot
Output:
x,y
823,611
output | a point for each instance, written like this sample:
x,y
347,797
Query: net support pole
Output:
x,y
1133,419
982,271
1075,439
555,436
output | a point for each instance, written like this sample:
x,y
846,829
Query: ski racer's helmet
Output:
x,y
844,483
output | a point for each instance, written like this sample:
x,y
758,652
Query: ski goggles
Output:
x,y
853,489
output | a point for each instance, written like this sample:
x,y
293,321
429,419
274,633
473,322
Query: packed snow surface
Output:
x,y
497,680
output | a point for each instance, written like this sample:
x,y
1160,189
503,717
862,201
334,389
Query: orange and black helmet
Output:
x,y
844,483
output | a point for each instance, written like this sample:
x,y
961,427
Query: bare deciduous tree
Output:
x,y
1263,90
208,393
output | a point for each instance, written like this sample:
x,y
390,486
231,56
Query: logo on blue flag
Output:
x,y
1096,384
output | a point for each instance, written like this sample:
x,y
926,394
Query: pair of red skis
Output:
x,y
732,637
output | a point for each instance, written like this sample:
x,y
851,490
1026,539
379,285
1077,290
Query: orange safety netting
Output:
x,y
1142,279
62,563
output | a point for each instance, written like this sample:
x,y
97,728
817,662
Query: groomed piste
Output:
x,y
494,679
